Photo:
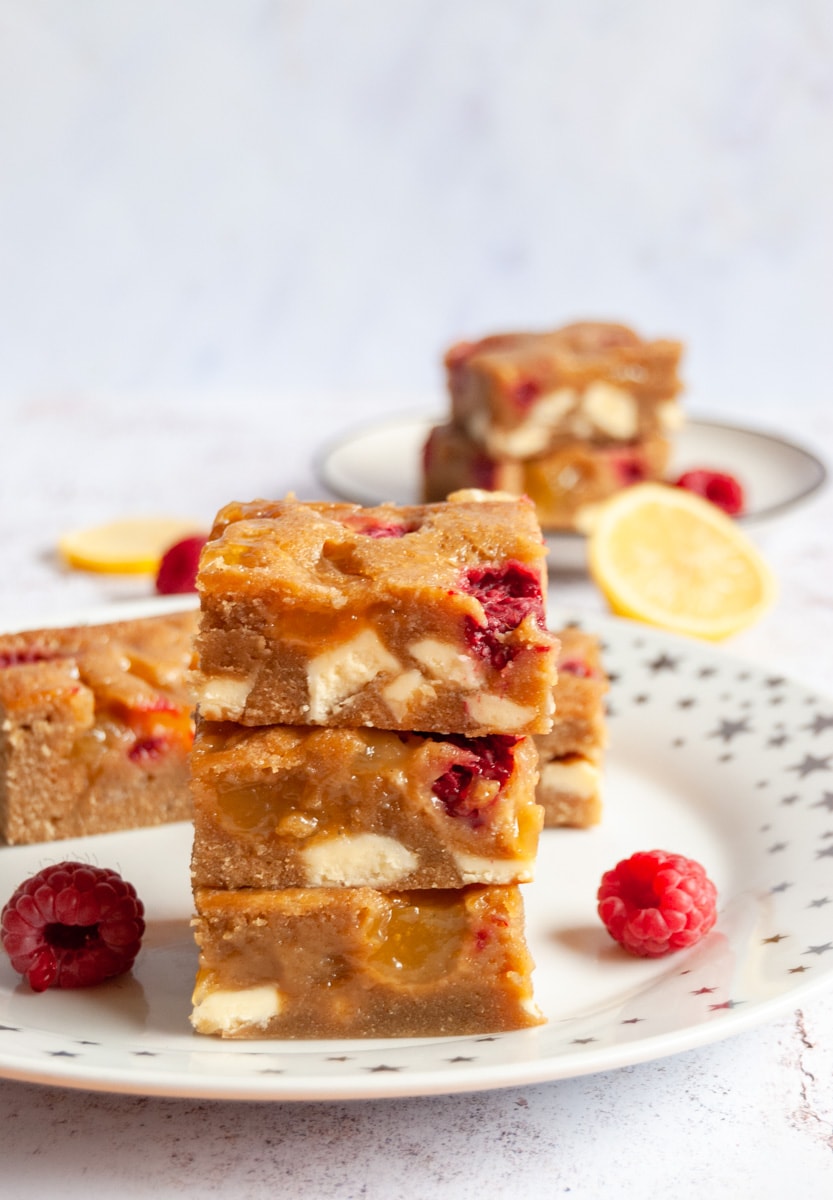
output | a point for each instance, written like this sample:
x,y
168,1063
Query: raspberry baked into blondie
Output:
x,y
95,728
428,617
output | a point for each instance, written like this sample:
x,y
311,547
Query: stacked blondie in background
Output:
x,y
370,685
567,417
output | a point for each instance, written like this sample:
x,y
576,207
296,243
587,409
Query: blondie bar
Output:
x,y
564,482
284,806
359,963
95,728
569,788
423,617
519,395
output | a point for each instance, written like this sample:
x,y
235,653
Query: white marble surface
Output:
x,y
230,231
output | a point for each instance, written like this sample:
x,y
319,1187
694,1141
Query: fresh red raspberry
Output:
x,y
71,926
723,490
655,902
178,569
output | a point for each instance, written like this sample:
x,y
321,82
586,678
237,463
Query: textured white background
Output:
x,y
312,195
228,230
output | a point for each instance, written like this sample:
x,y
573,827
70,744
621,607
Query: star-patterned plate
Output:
x,y
381,462
708,757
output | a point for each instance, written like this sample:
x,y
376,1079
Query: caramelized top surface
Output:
x,y
127,665
334,553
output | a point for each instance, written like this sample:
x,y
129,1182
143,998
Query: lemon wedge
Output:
x,y
133,546
667,557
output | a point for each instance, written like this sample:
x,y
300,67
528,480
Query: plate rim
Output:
x,y
431,1081
322,460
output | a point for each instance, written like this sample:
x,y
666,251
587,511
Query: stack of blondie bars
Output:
x,y
567,417
370,683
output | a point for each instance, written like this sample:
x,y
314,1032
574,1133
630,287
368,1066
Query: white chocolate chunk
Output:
x,y
444,661
227,1011
670,416
223,697
338,674
529,1005
575,777
480,496
475,868
533,434
357,860
401,692
611,410
497,712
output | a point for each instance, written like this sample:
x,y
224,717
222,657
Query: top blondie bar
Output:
x,y
519,395
423,617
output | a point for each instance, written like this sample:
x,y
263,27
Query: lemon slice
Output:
x,y
665,556
133,546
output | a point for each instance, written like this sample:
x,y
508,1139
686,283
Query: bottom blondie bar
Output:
x,y
563,483
360,963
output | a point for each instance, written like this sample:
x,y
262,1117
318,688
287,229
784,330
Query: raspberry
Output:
x,y
525,392
492,758
379,529
629,468
72,925
655,902
575,666
508,594
178,569
24,657
723,490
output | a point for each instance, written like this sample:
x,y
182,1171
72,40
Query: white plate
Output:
x,y
708,757
382,462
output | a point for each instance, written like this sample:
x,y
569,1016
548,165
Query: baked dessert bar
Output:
x,y
95,728
564,482
291,806
518,395
358,963
570,784
423,617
